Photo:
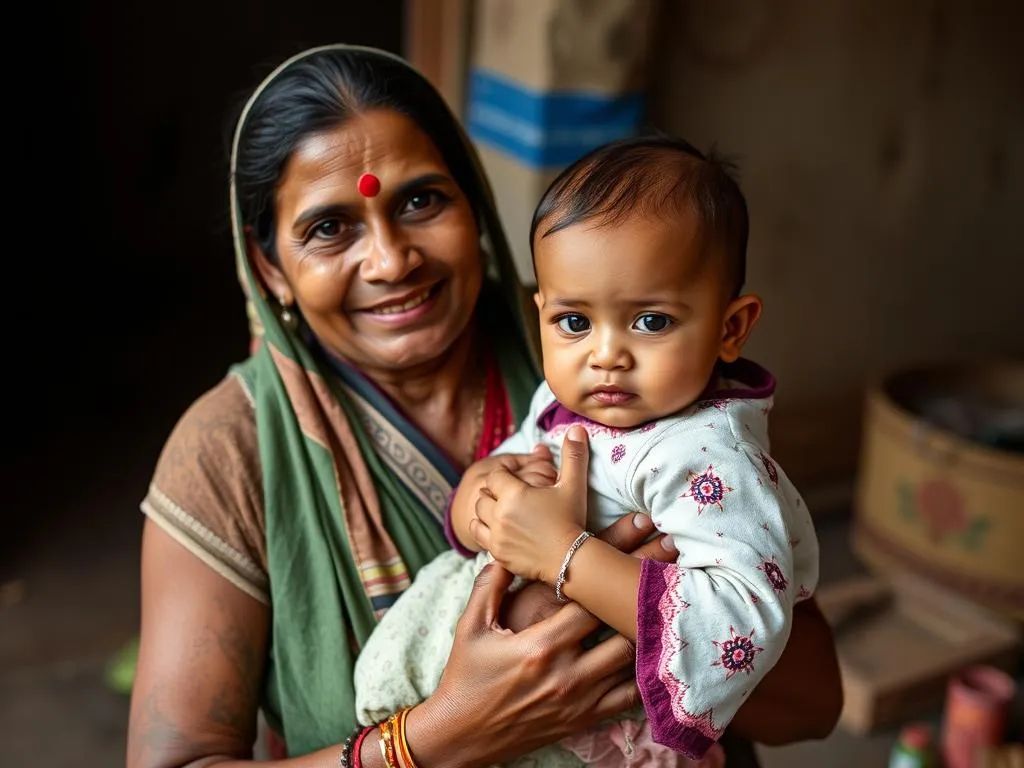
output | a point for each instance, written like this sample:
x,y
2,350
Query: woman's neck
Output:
x,y
445,399
435,386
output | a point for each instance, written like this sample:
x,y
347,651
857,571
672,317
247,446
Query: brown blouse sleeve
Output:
x,y
207,491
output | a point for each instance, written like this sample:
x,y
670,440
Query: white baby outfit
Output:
x,y
710,625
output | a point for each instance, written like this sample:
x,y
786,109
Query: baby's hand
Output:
x,y
534,468
528,529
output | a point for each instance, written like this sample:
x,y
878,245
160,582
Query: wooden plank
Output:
x,y
896,659
437,43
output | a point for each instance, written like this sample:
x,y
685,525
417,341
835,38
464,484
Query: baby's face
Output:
x,y
633,317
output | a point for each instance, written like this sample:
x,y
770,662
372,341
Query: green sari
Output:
x,y
354,493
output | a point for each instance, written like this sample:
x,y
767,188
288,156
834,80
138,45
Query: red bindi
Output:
x,y
368,185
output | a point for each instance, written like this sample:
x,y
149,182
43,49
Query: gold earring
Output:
x,y
289,320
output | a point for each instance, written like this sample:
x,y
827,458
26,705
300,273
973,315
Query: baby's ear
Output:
x,y
538,299
741,316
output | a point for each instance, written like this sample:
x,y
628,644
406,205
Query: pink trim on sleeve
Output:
x,y
658,607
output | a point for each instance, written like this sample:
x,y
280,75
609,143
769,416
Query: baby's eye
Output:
x,y
573,324
652,323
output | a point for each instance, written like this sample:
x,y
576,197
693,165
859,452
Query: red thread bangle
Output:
x,y
357,759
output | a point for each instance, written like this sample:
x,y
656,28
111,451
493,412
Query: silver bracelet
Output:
x,y
560,581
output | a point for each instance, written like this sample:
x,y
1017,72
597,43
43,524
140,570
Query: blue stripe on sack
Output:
x,y
546,130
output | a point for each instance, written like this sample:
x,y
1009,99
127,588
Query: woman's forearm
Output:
x,y
433,743
801,697
325,758
433,739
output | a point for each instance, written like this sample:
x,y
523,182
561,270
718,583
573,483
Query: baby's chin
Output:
x,y
633,415
616,417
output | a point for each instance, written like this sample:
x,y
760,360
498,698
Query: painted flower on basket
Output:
x,y
738,653
942,508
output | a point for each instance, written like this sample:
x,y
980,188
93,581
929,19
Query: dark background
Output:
x,y
121,299
121,307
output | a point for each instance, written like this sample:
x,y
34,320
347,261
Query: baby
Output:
x,y
640,255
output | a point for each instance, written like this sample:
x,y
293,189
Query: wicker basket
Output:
x,y
948,507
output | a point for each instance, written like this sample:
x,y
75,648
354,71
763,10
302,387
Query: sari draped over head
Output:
x,y
354,492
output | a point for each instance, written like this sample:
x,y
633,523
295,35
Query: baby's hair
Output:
x,y
651,176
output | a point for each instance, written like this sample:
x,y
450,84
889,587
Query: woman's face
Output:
x,y
387,282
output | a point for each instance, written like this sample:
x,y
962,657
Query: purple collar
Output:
x,y
758,383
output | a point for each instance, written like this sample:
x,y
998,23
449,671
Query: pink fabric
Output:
x,y
276,749
661,693
498,422
621,743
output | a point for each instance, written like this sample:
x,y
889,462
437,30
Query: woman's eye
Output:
x,y
573,324
651,323
327,229
422,201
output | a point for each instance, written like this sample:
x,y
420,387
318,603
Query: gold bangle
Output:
x,y
387,745
393,742
403,745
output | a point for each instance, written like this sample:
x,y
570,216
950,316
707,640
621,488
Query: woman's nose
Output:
x,y
389,258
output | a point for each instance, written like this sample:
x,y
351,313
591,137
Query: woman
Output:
x,y
294,502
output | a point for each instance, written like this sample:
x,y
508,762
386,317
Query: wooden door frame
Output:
x,y
437,37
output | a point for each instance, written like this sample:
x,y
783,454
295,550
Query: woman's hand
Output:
x,y
504,694
801,697
527,529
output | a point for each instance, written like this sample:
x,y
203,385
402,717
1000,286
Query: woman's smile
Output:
x,y
406,308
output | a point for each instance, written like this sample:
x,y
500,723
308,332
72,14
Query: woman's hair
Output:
x,y
651,176
320,92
